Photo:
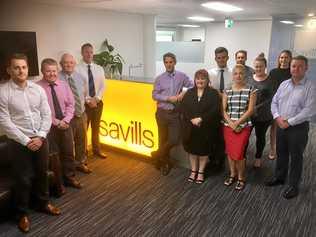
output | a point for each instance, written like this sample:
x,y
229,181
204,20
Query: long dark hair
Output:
x,y
288,52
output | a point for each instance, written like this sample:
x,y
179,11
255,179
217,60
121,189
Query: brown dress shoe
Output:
x,y
100,154
24,224
84,169
72,182
51,210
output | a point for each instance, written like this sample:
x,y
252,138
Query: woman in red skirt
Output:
x,y
238,106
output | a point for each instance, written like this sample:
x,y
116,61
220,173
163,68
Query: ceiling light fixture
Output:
x,y
200,18
189,26
298,25
220,6
287,22
311,14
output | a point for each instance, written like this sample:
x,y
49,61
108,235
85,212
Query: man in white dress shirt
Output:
x,y
25,118
220,76
94,75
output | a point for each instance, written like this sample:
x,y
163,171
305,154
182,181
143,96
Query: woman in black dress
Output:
x,y
278,75
201,120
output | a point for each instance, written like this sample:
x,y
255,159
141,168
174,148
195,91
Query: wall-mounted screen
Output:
x,y
18,42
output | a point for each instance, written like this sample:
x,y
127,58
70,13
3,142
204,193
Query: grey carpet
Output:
x,y
128,197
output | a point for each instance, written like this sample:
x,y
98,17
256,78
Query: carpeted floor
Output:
x,y
128,197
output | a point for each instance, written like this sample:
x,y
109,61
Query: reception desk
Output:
x,y
128,119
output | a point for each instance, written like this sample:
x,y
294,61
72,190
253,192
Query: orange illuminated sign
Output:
x,y
128,117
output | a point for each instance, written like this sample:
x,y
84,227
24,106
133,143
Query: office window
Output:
x,y
165,36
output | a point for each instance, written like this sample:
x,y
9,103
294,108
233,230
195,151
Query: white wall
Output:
x,y
253,36
61,29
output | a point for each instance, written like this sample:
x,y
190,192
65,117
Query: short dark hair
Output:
x,y
241,51
302,58
20,56
220,50
86,45
170,55
48,61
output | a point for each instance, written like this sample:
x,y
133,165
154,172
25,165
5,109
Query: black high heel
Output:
x,y
192,179
200,181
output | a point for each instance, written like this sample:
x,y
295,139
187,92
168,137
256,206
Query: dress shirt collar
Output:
x,y
301,82
16,87
222,68
56,83
172,74
66,75
87,64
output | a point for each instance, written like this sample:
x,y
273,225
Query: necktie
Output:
x,y
58,113
72,85
222,83
91,82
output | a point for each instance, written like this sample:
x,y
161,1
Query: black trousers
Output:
x,y
261,128
168,123
29,174
61,142
94,117
217,156
290,144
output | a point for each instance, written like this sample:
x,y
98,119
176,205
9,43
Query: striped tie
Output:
x,y
78,108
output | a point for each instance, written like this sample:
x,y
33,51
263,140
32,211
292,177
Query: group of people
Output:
x,y
214,116
216,113
47,120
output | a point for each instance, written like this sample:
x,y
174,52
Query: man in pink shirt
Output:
x,y
60,137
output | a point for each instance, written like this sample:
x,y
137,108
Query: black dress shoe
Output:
x,y
24,224
60,191
290,192
274,182
100,154
72,182
165,169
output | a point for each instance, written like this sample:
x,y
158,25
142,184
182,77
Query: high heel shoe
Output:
x,y
200,181
194,176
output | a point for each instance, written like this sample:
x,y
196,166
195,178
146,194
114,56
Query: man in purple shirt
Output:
x,y
292,107
60,137
168,91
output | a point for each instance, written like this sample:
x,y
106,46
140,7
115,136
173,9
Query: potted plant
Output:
x,y
111,62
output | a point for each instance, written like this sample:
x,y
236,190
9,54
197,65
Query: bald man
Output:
x,y
79,122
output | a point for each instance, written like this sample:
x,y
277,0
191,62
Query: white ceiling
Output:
x,y
176,11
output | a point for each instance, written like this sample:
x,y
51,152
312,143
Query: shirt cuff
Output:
x,y
42,134
275,115
291,121
24,141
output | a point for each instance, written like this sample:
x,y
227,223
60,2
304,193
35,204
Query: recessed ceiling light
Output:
x,y
287,22
298,25
189,26
220,6
200,18
311,14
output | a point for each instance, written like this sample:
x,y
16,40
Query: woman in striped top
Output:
x,y
238,106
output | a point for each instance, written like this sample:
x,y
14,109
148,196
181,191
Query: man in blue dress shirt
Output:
x,y
168,91
292,107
